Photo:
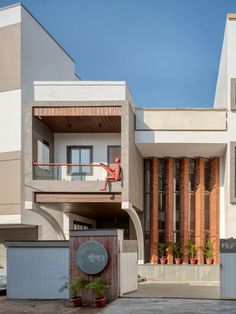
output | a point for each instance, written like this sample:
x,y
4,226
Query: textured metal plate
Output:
x,y
91,257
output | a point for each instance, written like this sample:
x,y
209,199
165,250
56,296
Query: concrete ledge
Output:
x,y
180,273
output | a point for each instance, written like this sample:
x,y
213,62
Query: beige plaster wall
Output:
x,y
10,57
10,198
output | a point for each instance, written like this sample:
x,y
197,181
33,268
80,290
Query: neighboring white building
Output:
x,y
178,165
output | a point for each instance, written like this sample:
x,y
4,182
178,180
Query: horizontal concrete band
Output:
x,y
96,232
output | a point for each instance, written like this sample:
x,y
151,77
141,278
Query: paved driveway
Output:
x,y
169,306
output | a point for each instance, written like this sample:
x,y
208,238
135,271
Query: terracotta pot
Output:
x,y
209,261
178,260
77,301
193,260
163,260
100,302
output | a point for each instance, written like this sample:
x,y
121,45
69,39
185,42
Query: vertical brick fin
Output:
x,y
199,209
154,214
169,206
184,206
214,206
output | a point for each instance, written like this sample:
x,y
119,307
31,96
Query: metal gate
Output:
x,y
128,266
228,268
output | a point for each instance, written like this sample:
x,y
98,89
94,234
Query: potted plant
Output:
x,y
192,251
100,288
177,251
208,252
163,247
74,286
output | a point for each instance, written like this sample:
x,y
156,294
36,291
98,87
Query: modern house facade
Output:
x,y
177,179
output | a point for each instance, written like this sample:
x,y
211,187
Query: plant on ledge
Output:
x,y
74,286
100,288
192,251
178,252
163,248
208,252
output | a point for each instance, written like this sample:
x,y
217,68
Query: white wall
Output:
x,y
221,96
80,91
227,68
10,15
10,121
230,209
98,141
180,119
42,58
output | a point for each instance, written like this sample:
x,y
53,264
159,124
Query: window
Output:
x,y
233,94
113,153
176,207
192,166
161,198
79,155
77,225
147,194
43,155
207,196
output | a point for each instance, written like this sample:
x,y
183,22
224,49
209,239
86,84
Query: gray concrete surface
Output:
x,y
181,273
169,306
168,290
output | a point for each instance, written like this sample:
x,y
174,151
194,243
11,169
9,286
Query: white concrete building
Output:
x,y
177,179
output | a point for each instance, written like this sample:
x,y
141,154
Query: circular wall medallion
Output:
x,y
91,257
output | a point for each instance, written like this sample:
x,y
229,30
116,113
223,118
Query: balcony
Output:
x,y
69,172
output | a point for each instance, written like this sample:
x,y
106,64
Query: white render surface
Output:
x,y
10,15
10,219
80,91
42,57
181,119
227,68
10,121
100,142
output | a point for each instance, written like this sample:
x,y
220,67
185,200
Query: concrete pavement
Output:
x,y
169,306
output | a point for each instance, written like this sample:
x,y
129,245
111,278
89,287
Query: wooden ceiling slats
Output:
x,y
77,111
83,124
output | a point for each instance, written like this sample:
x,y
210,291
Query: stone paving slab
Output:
x,y
169,306
170,290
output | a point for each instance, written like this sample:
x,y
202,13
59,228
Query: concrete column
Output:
x,y
184,206
154,214
169,206
214,207
199,210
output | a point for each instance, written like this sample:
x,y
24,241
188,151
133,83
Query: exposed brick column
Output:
x,y
214,206
184,206
199,209
154,213
169,206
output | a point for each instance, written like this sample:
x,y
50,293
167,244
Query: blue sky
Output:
x,y
168,51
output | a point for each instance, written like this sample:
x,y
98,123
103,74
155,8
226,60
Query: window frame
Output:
x,y
69,159
233,94
108,147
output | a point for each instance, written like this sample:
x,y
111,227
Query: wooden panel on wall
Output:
x,y
110,274
77,111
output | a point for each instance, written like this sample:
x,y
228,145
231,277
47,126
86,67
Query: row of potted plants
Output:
x,y
190,249
76,284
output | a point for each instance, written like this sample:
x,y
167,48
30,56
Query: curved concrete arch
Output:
x,y
138,229
41,210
